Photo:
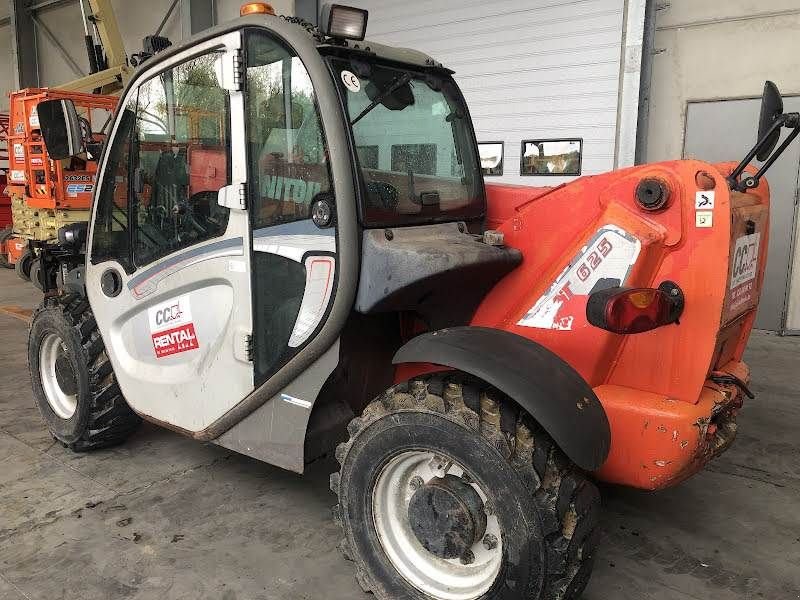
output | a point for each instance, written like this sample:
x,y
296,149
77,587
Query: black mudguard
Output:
x,y
550,390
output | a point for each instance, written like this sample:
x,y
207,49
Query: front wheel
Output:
x,y
23,265
73,382
5,235
447,491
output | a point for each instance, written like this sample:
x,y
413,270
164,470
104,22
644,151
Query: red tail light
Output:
x,y
635,310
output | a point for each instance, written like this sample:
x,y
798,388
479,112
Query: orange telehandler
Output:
x,y
474,356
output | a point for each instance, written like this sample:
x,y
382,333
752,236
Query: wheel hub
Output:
x,y
431,521
65,376
447,516
58,378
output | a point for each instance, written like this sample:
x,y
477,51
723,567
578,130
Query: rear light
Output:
x,y
635,310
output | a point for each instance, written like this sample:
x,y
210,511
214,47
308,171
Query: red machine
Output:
x,y
47,194
5,199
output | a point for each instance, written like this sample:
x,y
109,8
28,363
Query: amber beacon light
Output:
x,y
256,8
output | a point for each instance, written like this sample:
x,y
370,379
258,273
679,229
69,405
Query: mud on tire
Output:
x,y
5,235
547,509
100,416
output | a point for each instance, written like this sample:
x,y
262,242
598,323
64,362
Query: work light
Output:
x,y
344,22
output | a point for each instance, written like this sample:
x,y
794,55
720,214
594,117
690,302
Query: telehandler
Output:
x,y
328,284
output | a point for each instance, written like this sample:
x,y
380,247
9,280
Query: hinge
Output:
x,y
243,195
249,349
233,196
238,70
243,348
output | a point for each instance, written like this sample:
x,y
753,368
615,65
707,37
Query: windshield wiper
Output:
x,y
400,81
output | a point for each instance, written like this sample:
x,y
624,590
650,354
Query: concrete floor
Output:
x,y
164,517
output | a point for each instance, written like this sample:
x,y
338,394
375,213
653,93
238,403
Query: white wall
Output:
x,y
716,50
6,64
721,50
528,68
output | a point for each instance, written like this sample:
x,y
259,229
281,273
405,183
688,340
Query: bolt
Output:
x,y
416,482
462,227
389,234
490,541
467,558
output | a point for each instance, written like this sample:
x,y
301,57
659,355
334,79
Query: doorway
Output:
x,y
724,130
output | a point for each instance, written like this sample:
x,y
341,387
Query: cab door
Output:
x,y
168,271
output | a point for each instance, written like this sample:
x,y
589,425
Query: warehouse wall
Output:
x,y
6,65
136,20
530,69
712,50
719,51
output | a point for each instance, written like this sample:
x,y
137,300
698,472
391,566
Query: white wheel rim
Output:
x,y
63,404
439,578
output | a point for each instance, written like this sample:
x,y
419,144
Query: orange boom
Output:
x,y
673,226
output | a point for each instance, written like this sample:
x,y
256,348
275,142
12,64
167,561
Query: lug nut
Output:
x,y
416,482
467,558
490,541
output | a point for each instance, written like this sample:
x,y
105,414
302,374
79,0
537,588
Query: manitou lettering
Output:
x,y
176,340
286,188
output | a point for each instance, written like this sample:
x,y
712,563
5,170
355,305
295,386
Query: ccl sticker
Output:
x,y
606,259
171,327
745,259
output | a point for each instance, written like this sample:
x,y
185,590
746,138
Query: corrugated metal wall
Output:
x,y
528,68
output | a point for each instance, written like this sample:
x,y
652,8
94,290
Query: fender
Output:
x,y
550,390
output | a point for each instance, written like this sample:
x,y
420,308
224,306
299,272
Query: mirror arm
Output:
x,y
788,120
772,159
733,178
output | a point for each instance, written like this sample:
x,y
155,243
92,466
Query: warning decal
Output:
x,y
171,327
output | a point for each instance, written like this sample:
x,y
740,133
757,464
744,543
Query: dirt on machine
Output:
x,y
291,253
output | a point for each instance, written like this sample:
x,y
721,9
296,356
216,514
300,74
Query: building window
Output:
x,y
551,157
491,157
368,156
419,158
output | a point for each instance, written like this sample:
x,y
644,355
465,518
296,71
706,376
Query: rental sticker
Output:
x,y
171,327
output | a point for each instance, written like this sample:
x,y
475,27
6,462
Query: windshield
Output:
x,y
415,144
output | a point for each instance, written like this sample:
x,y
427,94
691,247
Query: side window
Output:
x,y
111,238
181,159
289,166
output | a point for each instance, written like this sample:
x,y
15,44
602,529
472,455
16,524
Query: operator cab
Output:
x,y
269,192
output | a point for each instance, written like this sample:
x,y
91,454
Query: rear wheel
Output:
x,y
448,491
23,265
73,382
5,235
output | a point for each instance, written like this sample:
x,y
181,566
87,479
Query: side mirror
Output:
x,y
771,110
770,123
61,128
